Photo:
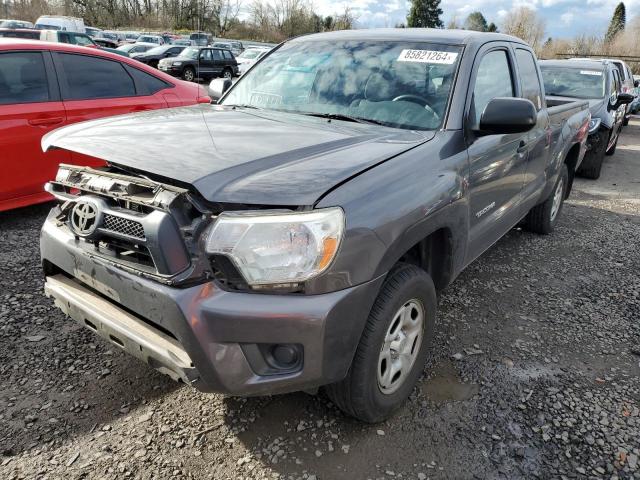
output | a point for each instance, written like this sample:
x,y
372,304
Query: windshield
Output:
x,y
149,39
226,46
574,82
157,50
398,84
190,53
44,26
81,40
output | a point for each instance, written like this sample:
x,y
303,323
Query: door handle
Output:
x,y
522,147
42,122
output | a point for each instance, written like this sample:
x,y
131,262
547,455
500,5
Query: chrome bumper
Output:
x,y
121,328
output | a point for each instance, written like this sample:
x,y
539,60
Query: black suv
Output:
x,y
201,62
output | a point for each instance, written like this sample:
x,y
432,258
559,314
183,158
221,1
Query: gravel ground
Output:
x,y
534,374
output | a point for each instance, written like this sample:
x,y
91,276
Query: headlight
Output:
x,y
177,64
594,125
278,247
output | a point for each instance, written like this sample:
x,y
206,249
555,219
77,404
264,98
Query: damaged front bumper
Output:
x,y
214,339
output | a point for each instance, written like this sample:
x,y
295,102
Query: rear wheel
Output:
x,y
611,150
393,348
189,74
227,73
543,217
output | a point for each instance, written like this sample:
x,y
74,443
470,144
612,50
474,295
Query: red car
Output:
x,y
44,86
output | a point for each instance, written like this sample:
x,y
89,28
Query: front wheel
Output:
x,y
227,73
393,348
189,74
543,217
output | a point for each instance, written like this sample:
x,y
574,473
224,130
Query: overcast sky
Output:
x,y
564,18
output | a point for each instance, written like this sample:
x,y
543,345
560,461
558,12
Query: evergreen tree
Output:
x,y
618,22
492,27
425,14
476,21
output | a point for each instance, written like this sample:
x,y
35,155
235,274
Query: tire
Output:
x,y
612,150
625,122
227,73
361,395
189,74
592,164
543,217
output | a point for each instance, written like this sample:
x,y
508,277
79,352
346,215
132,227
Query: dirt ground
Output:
x,y
535,373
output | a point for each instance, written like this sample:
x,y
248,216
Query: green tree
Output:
x,y
425,14
618,22
476,21
492,27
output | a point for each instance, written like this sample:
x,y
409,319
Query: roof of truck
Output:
x,y
592,64
437,35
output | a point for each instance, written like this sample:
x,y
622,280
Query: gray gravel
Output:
x,y
535,373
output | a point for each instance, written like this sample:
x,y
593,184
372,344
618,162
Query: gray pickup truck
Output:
x,y
295,235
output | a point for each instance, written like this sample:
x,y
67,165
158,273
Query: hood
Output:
x,y
239,155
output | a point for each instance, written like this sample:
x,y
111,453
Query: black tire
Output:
x,y
591,166
359,394
227,73
189,74
612,150
625,122
540,218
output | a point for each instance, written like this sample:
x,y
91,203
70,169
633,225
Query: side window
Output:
x,y
64,38
175,51
23,78
92,77
82,40
493,79
147,82
205,55
227,55
529,77
217,55
616,82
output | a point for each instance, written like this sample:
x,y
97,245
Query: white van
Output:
x,y
52,22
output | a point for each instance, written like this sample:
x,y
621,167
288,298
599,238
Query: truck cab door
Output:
x,y
497,163
539,139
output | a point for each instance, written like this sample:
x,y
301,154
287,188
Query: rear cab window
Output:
x,y
23,78
529,80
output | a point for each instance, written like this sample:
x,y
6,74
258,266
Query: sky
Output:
x,y
564,18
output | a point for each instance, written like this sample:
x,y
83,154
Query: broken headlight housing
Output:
x,y
277,247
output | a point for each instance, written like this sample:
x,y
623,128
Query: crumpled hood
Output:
x,y
239,155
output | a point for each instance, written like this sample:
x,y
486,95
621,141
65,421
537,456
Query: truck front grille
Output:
x,y
123,226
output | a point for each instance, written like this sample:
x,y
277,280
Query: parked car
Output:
x,y
200,62
15,24
105,42
131,48
635,105
74,38
25,33
93,32
153,56
44,86
599,83
296,234
54,22
250,56
181,42
234,46
200,39
156,39
131,37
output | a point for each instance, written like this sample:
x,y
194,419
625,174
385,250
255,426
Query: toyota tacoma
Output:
x,y
295,234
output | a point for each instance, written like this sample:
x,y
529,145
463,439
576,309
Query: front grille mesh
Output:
x,y
124,226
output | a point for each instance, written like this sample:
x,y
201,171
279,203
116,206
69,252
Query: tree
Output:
x,y
425,14
492,27
524,23
453,24
476,21
618,22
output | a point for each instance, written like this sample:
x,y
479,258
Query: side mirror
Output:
x,y
508,115
624,99
218,87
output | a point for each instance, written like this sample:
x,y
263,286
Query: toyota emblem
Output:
x,y
84,218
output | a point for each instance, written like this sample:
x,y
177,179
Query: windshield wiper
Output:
x,y
342,116
242,105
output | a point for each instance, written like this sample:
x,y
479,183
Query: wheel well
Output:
x,y
572,160
434,254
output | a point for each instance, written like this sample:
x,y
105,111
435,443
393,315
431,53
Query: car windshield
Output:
x,y
44,26
399,84
587,82
148,39
226,46
157,50
191,53
82,40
